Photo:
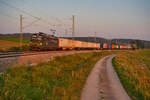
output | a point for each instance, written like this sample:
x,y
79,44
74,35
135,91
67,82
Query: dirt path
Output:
x,y
103,83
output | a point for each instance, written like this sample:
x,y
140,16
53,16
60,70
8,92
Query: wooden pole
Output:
x,y
20,31
73,31
73,27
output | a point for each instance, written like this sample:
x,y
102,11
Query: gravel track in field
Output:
x,y
103,83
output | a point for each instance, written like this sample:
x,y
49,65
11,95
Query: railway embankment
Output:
x,y
32,58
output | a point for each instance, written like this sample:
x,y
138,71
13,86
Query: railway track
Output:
x,y
16,54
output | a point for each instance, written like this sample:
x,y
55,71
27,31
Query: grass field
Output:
x,y
14,39
4,45
133,69
9,42
60,79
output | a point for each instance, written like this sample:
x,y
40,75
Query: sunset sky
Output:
x,y
108,18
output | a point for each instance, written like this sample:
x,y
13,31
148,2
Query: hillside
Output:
x,y
10,42
4,45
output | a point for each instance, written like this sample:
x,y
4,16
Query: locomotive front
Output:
x,y
41,41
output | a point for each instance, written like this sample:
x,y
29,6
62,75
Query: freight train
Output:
x,y
41,41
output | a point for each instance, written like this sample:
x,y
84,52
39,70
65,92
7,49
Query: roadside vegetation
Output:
x,y
133,69
12,44
60,79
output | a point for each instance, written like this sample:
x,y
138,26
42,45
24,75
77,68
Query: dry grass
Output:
x,y
15,39
11,43
60,79
133,69
4,45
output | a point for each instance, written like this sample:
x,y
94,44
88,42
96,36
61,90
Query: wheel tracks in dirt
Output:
x,y
103,83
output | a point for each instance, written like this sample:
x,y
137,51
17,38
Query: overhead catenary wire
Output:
x,y
61,23
20,10
57,19
7,15
10,21
10,18
31,23
26,13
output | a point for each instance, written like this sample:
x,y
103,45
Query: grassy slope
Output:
x,y
4,45
134,71
13,39
8,42
60,79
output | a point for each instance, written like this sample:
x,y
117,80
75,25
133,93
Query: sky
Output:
x,y
107,18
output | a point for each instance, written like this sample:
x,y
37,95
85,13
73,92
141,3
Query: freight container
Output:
x,y
113,46
76,44
93,45
98,45
129,46
110,46
66,43
118,46
105,46
90,45
101,45
123,47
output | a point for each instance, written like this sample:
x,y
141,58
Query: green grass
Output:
x,y
60,79
14,39
133,69
13,44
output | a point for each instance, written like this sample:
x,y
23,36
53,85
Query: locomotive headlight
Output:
x,y
40,43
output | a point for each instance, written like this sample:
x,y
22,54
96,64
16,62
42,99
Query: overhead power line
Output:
x,y
31,23
7,15
35,17
55,18
8,19
20,10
